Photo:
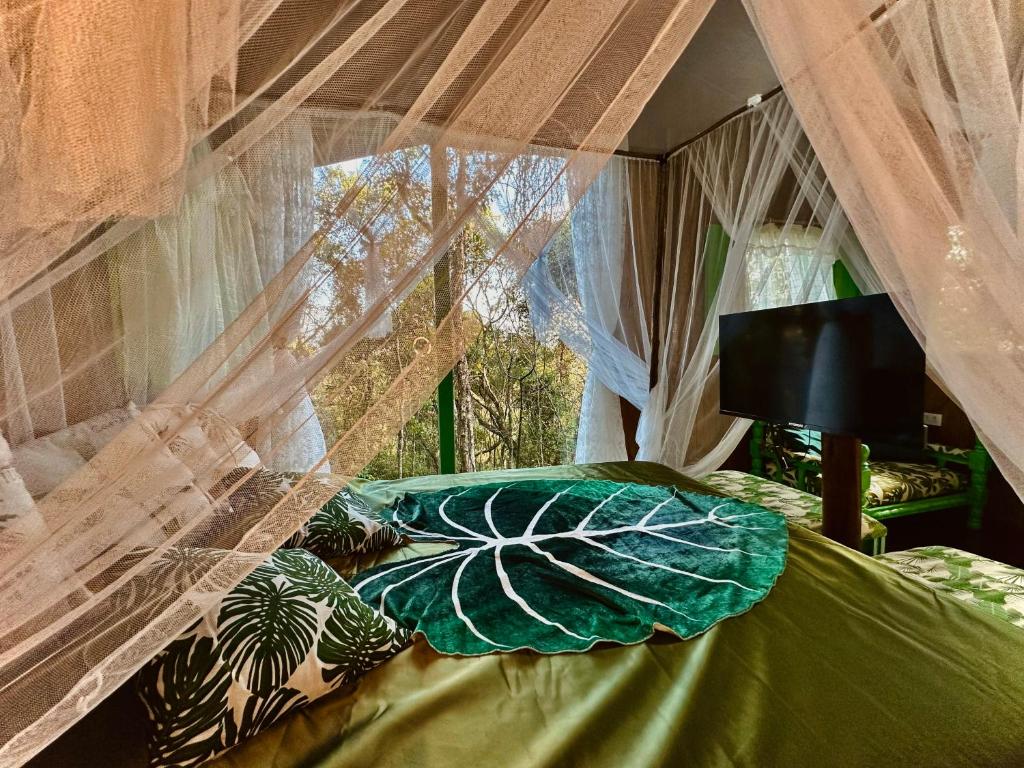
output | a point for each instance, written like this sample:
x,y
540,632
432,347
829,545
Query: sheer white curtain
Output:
x,y
33,327
755,170
750,222
596,295
482,82
784,267
180,281
916,114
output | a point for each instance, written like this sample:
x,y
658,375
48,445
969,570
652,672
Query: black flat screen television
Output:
x,y
847,367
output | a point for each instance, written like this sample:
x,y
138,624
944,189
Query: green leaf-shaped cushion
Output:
x,y
556,565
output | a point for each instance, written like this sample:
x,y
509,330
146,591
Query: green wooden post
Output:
x,y
979,463
442,306
446,424
843,282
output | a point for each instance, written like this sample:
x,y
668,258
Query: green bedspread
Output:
x,y
845,663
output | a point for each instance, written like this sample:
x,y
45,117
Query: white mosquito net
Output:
x,y
597,297
749,222
178,309
915,109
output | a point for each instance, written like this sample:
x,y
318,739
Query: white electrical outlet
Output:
x,y
933,419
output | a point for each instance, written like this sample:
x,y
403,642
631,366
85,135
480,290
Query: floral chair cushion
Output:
x,y
799,507
892,482
992,586
948,450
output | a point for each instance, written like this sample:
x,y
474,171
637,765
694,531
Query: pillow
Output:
x,y
290,632
251,495
20,521
44,464
134,471
345,525
6,457
88,437
203,440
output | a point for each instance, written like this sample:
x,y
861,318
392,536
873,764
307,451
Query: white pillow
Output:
x,y
6,459
203,440
133,472
88,437
44,464
20,521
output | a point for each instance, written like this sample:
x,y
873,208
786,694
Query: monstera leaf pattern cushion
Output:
x,y
290,632
345,525
799,507
992,586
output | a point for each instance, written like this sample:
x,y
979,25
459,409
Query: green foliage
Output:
x,y
525,394
289,633
355,639
187,695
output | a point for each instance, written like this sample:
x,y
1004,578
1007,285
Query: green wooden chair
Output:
x,y
952,477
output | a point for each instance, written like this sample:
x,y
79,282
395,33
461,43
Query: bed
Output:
x,y
845,662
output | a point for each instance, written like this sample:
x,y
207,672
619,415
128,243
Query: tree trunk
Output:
x,y
400,450
464,443
400,442
464,417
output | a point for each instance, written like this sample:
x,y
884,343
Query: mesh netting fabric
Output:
x,y
750,222
186,289
914,107
753,224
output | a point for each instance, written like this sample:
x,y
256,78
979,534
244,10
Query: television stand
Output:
x,y
841,489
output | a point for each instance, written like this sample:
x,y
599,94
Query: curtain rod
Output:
x,y
652,156
873,18
735,113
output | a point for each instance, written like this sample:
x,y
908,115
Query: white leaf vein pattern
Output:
x,y
494,541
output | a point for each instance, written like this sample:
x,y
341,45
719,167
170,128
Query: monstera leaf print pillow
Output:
x,y
345,525
290,632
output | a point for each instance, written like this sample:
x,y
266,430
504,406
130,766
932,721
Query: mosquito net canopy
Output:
x,y
226,247
172,292
914,108
896,146
748,221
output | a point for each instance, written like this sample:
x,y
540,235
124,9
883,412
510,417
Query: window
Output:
x,y
515,398
787,266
